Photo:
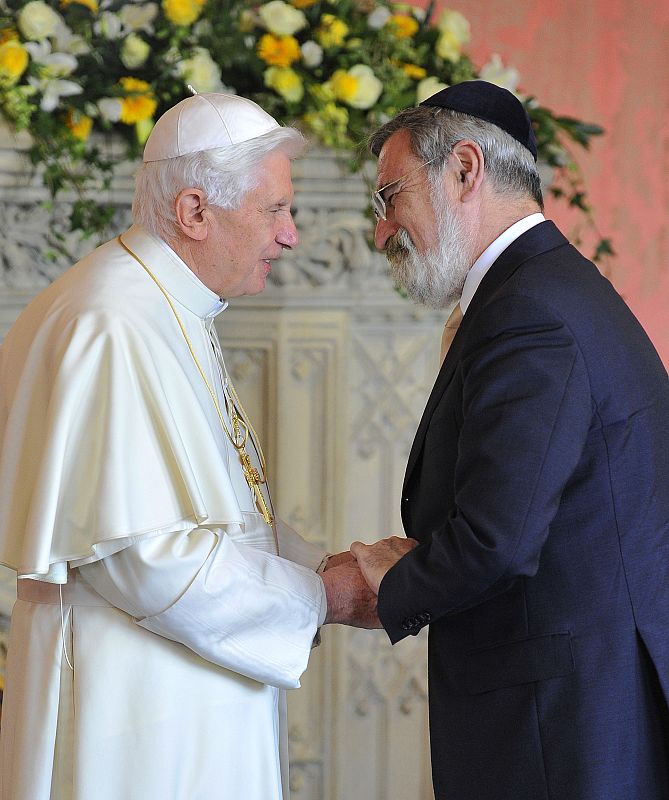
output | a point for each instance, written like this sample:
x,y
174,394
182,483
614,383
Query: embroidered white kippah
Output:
x,y
206,122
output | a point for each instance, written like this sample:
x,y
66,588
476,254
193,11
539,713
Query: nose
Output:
x,y
287,235
384,230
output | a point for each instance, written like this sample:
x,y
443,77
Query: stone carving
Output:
x,y
379,674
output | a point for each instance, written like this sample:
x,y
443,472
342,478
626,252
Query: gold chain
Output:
x,y
239,419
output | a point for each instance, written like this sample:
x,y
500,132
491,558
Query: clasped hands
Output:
x,y
352,580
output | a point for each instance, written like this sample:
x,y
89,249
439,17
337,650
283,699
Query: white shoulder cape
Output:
x,y
107,431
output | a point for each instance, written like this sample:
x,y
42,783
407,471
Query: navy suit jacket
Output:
x,y
538,488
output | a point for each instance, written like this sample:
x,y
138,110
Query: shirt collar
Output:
x,y
491,254
175,276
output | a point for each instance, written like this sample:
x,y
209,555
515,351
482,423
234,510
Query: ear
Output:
x,y
470,165
189,208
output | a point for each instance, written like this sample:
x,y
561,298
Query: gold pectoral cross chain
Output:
x,y
241,427
254,480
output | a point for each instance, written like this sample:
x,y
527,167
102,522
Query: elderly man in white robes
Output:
x,y
162,609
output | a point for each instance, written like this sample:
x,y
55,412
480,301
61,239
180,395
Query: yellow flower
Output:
x,y
303,3
13,61
182,12
139,103
278,51
90,4
8,34
359,87
332,31
427,87
402,26
285,82
456,24
329,124
414,71
448,47
79,124
344,86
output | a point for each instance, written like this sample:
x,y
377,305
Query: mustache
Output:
x,y
399,245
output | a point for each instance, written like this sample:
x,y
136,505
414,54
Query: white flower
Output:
x,y
54,90
201,71
369,87
378,18
495,72
108,25
136,17
54,65
312,53
134,51
454,23
37,20
110,108
68,42
427,87
281,19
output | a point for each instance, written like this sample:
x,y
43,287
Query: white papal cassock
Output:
x,y
120,493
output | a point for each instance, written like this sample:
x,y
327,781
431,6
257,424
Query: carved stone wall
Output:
x,y
334,368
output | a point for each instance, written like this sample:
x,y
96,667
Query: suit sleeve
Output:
x,y
524,417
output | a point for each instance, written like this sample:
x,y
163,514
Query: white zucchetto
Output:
x,y
206,122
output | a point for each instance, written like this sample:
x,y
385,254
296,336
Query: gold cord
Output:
x,y
241,426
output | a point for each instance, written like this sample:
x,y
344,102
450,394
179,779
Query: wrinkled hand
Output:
x,y
376,559
339,558
350,600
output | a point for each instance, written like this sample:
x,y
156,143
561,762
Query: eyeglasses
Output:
x,y
378,200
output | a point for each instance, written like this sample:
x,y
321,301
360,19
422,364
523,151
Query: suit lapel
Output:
x,y
537,240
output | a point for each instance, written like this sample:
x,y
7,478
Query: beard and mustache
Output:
x,y
435,278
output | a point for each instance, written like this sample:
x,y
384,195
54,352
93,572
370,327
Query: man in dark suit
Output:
x,y
537,490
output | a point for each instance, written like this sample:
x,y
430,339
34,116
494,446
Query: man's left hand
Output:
x,y
376,559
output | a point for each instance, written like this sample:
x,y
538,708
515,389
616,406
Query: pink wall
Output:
x,y
605,61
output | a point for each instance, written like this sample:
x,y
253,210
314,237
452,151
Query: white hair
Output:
x,y
225,175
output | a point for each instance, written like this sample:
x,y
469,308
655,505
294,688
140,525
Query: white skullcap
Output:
x,y
205,122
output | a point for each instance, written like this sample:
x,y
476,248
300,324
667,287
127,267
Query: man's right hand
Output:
x,y
349,598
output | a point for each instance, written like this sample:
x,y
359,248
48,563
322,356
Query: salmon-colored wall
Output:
x,y
605,61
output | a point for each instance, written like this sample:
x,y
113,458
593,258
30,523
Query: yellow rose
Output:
x,y
139,103
414,71
8,34
79,124
448,47
402,26
281,19
427,87
182,12
303,3
332,31
90,4
285,82
38,21
359,87
201,71
13,61
344,86
455,24
278,51
330,124
134,51
143,128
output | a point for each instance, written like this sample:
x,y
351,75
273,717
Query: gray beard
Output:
x,y
434,279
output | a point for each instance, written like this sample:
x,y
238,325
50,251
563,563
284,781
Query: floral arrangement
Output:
x,y
71,70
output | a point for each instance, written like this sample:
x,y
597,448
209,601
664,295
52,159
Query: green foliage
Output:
x,y
336,69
